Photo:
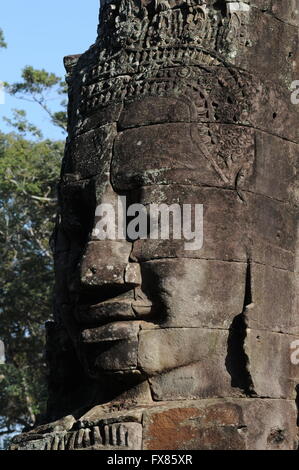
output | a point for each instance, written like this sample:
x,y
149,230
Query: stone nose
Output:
x,y
106,263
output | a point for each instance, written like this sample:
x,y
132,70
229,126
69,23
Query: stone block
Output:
x,y
284,11
282,157
150,110
106,115
272,231
105,262
273,295
91,153
271,370
233,424
201,293
257,53
115,345
181,153
204,379
161,350
225,223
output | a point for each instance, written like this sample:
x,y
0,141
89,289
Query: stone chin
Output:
x,y
111,348
135,349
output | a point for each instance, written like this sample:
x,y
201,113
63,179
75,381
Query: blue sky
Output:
x,y
41,33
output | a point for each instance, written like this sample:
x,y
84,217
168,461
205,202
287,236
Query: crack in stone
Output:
x,y
208,122
272,15
173,258
237,361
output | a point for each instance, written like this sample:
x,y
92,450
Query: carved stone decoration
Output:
x,y
154,346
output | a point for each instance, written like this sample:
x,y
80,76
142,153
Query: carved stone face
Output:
x,y
144,309
163,129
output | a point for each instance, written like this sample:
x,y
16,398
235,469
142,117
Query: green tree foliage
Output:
x,y
38,86
2,41
29,171
28,176
21,124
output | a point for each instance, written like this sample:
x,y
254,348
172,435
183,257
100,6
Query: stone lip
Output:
x,y
111,311
115,331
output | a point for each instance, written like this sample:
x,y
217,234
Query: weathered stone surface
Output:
x,y
271,370
77,202
222,425
105,312
213,371
94,146
116,345
160,350
181,153
116,331
107,115
282,157
214,94
263,228
225,231
213,290
100,415
148,111
260,34
204,379
118,436
285,11
226,424
273,291
272,231
105,263
178,424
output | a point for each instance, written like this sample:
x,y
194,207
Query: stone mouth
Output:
x,y
111,311
97,295
113,331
